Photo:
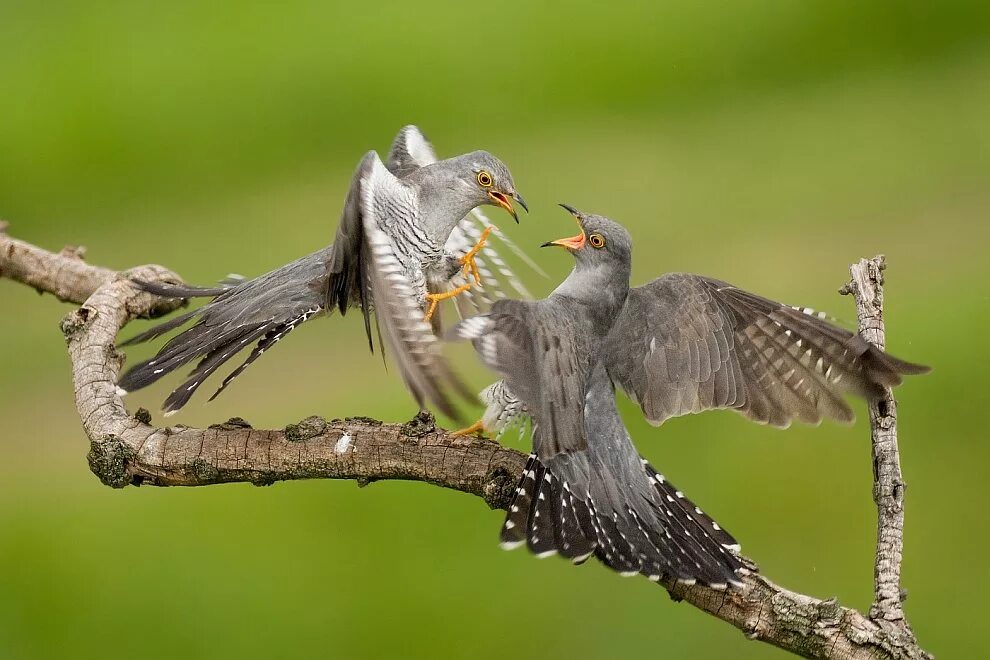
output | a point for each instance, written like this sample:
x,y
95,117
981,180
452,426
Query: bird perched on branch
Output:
x,y
686,343
585,489
410,236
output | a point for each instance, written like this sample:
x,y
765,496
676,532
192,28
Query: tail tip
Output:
x,y
511,545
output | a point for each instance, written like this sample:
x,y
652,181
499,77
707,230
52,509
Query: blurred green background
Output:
x,y
766,143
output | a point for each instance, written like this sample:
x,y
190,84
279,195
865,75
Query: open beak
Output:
x,y
522,202
573,242
500,199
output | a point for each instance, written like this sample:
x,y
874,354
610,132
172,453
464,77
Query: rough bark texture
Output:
x,y
888,485
126,449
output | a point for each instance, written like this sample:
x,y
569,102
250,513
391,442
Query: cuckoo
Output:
x,y
585,489
686,343
410,236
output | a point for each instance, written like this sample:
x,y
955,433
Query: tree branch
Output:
x,y
888,486
127,449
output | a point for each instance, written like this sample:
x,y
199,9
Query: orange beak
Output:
x,y
503,201
572,243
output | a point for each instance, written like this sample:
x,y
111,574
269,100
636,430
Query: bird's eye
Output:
x,y
597,241
484,179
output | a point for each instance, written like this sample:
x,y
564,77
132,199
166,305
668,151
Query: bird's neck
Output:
x,y
444,199
602,287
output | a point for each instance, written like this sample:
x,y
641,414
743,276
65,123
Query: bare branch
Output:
x,y
69,278
888,485
127,450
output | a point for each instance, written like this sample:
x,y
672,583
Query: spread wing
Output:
x,y
397,303
411,150
686,343
260,311
531,348
359,269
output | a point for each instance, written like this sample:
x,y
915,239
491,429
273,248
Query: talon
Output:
x,y
432,308
470,266
478,428
435,298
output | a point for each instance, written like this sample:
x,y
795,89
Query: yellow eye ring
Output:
x,y
597,241
484,179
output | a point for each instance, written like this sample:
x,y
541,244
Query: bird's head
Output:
x,y
491,183
603,261
601,241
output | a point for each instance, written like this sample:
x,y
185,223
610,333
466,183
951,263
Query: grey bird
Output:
x,y
686,343
585,489
390,257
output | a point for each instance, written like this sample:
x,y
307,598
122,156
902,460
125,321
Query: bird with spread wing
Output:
x,y
410,236
687,343
682,343
585,489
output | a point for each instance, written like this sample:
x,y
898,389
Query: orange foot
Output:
x,y
470,267
435,298
478,428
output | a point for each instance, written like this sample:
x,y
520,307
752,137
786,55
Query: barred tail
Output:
x,y
262,310
642,527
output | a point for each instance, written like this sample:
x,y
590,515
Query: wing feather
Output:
x,y
397,304
412,150
686,343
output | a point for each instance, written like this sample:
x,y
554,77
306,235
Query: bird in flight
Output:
x,y
410,236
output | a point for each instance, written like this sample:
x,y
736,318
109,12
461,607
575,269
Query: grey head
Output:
x,y
449,189
603,260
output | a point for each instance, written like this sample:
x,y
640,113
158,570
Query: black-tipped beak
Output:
x,y
500,199
522,202
572,243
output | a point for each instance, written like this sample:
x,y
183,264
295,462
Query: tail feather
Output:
x,y
517,521
185,290
704,522
614,549
241,312
184,348
272,337
161,328
542,531
657,532
213,361
705,548
569,534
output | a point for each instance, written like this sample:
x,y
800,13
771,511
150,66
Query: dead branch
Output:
x,y
866,287
126,450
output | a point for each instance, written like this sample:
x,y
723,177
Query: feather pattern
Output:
x,y
389,248
686,343
585,490
608,502
410,151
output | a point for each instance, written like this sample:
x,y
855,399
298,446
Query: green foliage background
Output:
x,y
767,143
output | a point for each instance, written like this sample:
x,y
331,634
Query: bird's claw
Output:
x,y
468,260
434,299
478,429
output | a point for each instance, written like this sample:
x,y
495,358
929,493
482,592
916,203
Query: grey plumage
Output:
x,y
388,254
686,343
586,491
503,410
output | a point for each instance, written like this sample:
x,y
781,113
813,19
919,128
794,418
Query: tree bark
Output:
x,y
127,450
866,286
